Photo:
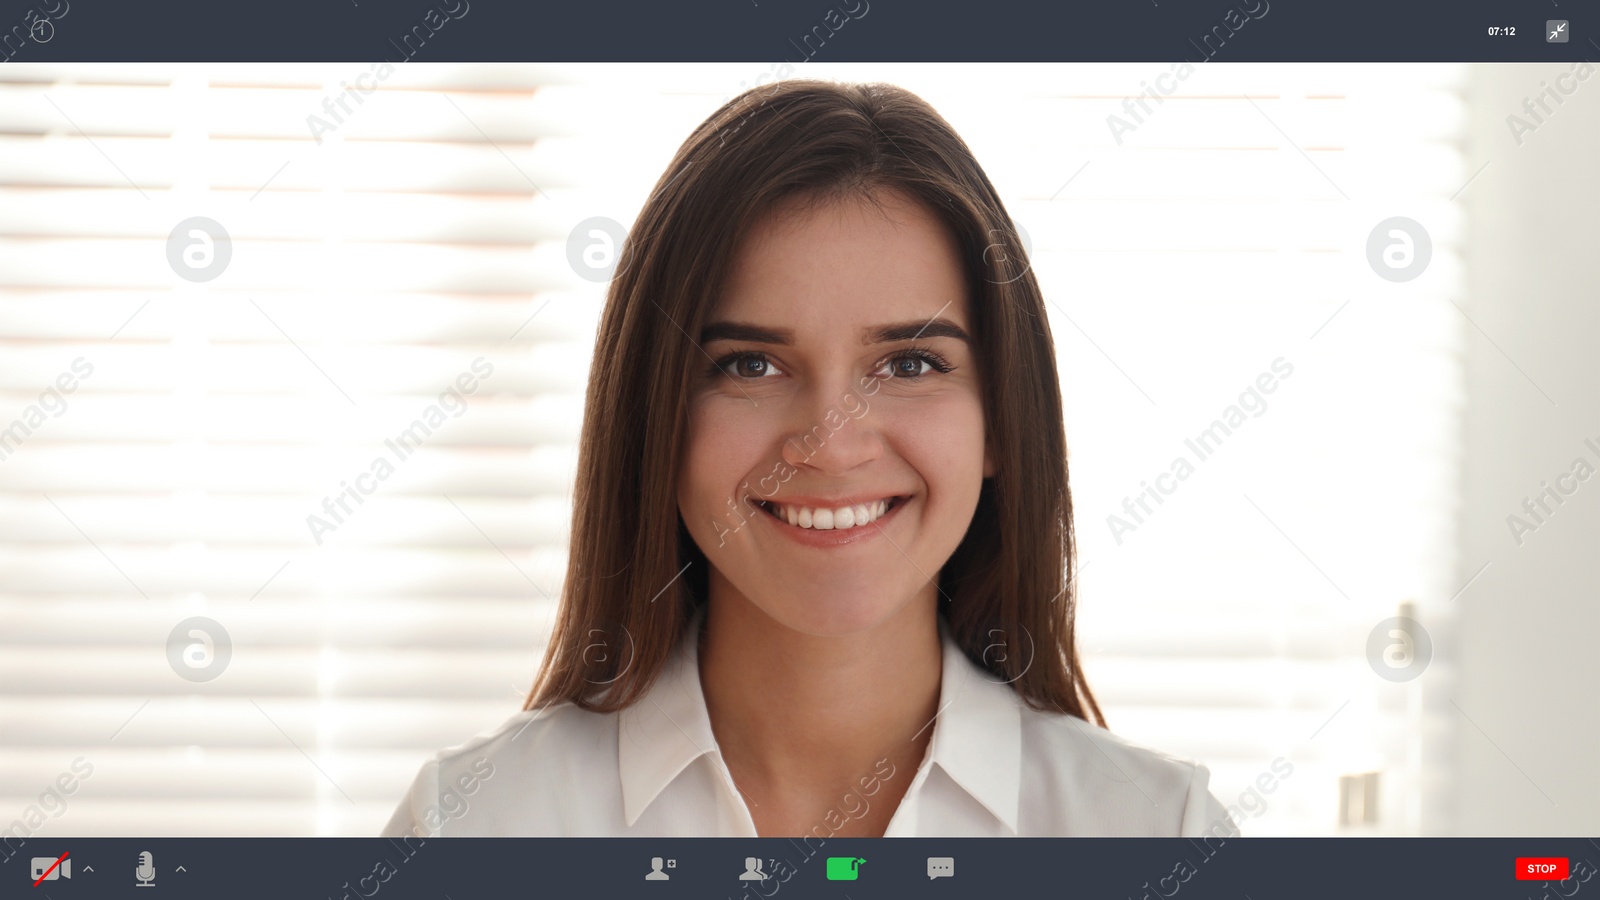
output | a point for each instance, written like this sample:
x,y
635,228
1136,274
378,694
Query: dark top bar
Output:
x,y
795,30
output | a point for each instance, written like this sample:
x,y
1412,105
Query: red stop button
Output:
x,y
1541,868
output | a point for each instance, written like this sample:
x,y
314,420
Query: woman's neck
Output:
x,y
807,725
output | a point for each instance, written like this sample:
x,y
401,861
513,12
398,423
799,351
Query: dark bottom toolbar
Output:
x,y
754,869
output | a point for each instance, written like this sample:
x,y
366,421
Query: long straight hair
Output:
x,y
635,577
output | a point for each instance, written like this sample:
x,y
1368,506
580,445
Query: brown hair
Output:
x,y
1009,582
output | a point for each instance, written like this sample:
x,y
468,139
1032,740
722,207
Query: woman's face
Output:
x,y
836,436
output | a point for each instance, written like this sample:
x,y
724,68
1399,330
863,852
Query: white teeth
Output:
x,y
831,519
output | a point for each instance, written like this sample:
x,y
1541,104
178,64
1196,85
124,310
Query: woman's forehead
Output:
x,y
846,266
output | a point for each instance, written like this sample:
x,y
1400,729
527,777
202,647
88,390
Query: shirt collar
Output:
x,y
977,734
659,735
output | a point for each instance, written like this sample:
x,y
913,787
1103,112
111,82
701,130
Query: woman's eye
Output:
x,y
748,367
909,367
756,366
913,365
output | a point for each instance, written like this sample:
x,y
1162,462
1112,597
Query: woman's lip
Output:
x,y
814,537
836,503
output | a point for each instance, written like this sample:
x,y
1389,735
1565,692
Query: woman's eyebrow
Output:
x,y
744,331
881,334
930,328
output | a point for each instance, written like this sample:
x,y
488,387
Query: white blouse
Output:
x,y
993,768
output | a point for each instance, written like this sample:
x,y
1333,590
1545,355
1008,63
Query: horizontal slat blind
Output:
x,y
368,272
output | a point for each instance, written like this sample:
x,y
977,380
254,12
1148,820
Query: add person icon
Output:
x,y
752,870
655,871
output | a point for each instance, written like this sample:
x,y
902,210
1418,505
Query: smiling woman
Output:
x,y
898,594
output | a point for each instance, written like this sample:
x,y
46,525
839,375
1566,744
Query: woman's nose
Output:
x,y
833,432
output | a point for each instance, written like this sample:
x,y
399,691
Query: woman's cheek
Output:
x,y
726,443
941,440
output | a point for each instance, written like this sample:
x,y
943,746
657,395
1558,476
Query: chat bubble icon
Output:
x,y
941,867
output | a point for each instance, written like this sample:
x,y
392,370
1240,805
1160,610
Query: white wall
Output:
x,y
1527,670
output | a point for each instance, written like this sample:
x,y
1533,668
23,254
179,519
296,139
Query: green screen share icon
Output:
x,y
844,868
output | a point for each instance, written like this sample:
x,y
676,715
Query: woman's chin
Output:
x,y
832,615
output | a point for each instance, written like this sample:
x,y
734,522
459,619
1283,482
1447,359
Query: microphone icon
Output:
x,y
146,872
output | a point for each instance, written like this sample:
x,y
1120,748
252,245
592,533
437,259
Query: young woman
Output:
x,y
820,580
